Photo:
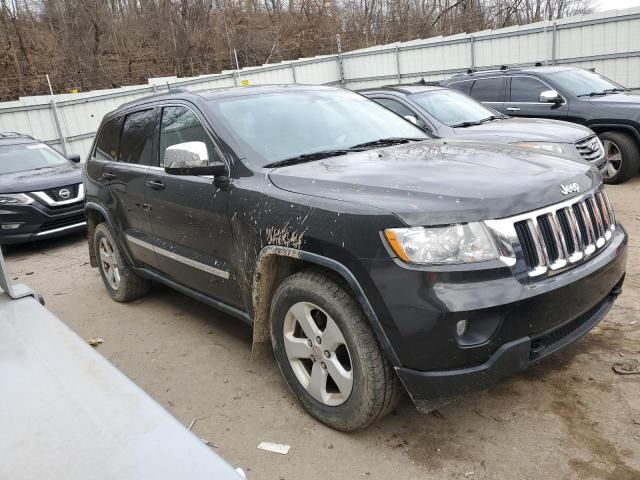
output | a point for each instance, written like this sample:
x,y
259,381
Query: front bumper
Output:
x,y
37,221
511,324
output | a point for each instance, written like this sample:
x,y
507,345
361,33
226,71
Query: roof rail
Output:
x,y
472,70
154,95
14,135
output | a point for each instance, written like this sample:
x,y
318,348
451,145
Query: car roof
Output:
x,y
15,138
408,89
227,92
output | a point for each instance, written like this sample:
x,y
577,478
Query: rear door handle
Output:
x,y
155,184
513,109
108,176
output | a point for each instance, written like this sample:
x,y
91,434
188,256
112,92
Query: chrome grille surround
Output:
x,y
590,149
555,238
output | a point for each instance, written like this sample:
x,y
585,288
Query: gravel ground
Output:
x,y
569,417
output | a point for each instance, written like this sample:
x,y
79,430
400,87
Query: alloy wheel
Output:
x,y
109,263
614,158
318,354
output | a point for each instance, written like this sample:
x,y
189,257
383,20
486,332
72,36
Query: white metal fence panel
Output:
x,y
608,41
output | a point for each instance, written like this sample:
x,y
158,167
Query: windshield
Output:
x,y
582,82
452,108
284,125
34,156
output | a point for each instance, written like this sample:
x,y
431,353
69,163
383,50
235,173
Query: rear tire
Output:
x,y
360,386
623,157
121,282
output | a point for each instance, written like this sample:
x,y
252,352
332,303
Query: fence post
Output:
x,y
553,43
398,74
340,64
56,120
293,72
472,51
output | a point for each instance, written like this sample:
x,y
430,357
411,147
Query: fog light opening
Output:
x,y
461,327
10,226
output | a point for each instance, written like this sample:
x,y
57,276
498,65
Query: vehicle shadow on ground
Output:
x,y
44,246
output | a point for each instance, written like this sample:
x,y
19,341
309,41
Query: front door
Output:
x,y
192,233
524,100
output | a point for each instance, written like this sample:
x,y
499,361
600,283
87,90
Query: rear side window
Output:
x,y
526,89
395,106
108,140
180,125
489,89
464,87
136,143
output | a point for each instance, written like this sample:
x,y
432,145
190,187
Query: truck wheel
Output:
x,y
122,284
328,354
623,157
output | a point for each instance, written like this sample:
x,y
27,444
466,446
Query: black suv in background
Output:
x,y
451,114
373,258
565,93
41,191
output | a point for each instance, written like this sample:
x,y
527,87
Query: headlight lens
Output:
x,y
15,199
549,147
460,243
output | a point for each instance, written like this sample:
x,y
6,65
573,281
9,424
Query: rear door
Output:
x,y
490,91
524,99
192,233
128,176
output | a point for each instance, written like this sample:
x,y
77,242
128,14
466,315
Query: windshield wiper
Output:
x,y
491,118
593,94
310,157
465,124
615,90
385,142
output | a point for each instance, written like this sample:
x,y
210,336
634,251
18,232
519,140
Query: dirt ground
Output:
x,y
571,417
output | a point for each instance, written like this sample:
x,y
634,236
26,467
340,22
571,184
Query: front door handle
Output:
x,y
155,184
513,109
108,176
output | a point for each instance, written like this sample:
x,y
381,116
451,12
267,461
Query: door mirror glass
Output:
x,y
550,96
191,158
74,157
412,119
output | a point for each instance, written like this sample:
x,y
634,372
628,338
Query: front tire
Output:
x,y
622,155
122,284
328,354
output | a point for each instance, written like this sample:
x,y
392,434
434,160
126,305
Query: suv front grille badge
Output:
x,y
60,196
555,238
589,148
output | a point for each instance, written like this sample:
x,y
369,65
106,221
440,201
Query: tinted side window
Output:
x,y
526,89
395,106
180,125
108,140
136,143
464,87
489,89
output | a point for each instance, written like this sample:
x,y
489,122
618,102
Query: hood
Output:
x,y
35,180
440,181
617,99
513,129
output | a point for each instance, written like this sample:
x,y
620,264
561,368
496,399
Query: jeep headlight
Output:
x,y
15,199
460,243
549,147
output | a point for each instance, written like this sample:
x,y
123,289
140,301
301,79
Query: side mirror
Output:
x,y
413,119
550,96
191,158
74,157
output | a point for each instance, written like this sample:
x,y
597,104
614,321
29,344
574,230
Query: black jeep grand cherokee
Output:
x,y
373,258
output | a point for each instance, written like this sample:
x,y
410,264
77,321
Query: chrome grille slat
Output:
x,y
557,237
589,148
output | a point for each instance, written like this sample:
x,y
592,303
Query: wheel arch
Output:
x,y
97,214
599,128
275,263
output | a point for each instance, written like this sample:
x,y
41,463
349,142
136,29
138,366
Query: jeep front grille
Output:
x,y
589,148
555,238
